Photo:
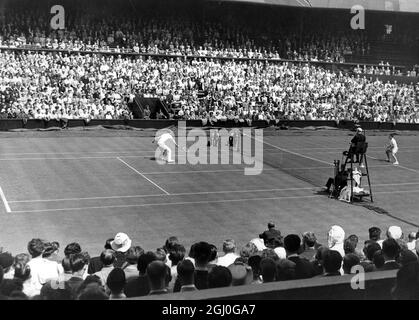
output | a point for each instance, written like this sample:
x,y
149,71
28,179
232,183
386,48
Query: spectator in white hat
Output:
x,y
394,232
336,238
120,245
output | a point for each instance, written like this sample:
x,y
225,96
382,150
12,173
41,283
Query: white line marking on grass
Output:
x,y
3,198
138,172
161,195
291,152
168,204
80,152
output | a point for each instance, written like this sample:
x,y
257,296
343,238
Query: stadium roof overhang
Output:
x,y
375,5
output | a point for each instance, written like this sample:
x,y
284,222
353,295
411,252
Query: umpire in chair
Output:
x,y
357,148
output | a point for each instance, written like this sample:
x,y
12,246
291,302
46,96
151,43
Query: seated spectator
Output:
x,y
120,245
332,263
93,292
176,255
130,266
156,275
247,251
285,270
202,256
303,268
268,270
107,258
394,232
309,246
115,283
219,277
391,250
241,274
186,276
56,292
137,287
229,249
51,251
350,260
95,264
336,236
271,234
375,234
22,272
78,265
378,259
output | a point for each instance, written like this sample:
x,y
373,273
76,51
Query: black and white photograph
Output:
x,y
199,157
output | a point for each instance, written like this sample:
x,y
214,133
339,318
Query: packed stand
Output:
x,y
126,270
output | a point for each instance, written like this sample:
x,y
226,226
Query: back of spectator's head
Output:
x,y
177,254
93,292
6,261
320,254
229,246
50,248
268,269
77,262
240,273
66,264
354,238
332,261
248,250
202,254
170,242
133,254
21,267
107,257
156,274
72,248
49,292
186,271
394,232
271,225
370,249
378,259
309,239
161,255
116,280
407,256
36,247
349,246
144,260
292,243
350,260
219,277
390,249
374,233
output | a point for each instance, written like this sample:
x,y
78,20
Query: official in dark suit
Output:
x,y
270,235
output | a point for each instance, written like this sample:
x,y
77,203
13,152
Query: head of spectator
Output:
x,y
72,248
202,255
268,270
370,249
107,257
36,248
51,249
336,236
391,249
394,232
144,260
229,246
406,257
349,246
374,233
407,282
219,277
59,292
90,279
66,264
292,243
378,259
115,283
332,262
6,262
93,291
309,240
78,264
186,273
170,242
286,270
121,242
133,254
156,275
22,270
349,261
177,254
241,273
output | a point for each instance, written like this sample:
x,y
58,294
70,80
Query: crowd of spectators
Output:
x,y
67,86
124,269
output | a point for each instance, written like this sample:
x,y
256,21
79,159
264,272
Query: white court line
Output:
x,y
193,202
80,152
3,198
138,172
289,151
162,195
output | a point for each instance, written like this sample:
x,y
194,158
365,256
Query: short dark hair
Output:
x,y
374,233
186,272
370,249
350,260
144,260
108,243
21,267
391,248
292,243
66,264
77,262
161,254
36,247
268,269
378,259
116,280
219,277
60,293
349,246
177,254
332,261
107,257
156,273
50,248
133,254
170,242
93,292
72,248
202,253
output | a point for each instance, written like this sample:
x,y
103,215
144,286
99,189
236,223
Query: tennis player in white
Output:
x,y
162,141
392,149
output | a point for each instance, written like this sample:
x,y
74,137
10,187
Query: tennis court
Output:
x,y
69,187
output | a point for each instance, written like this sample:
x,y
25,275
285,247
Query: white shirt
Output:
x,y
227,259
164,138
42,270
393,144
